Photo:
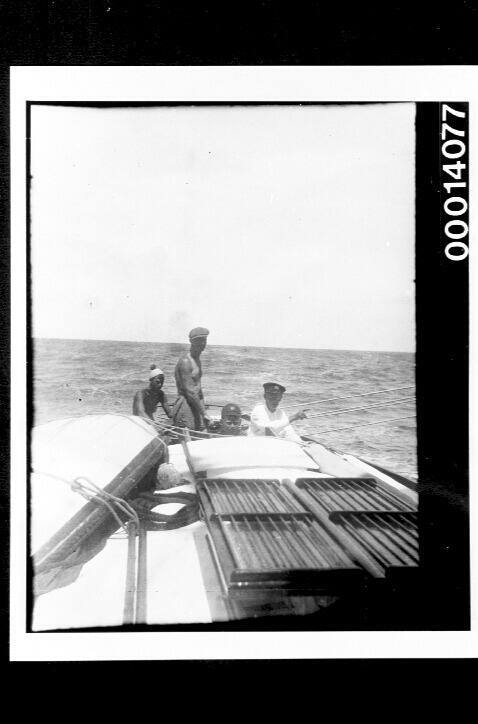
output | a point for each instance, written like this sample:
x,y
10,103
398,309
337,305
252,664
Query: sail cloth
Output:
x,y
67,570
145,504
113,453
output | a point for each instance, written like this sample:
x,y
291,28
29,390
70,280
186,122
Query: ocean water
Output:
x,y
77,377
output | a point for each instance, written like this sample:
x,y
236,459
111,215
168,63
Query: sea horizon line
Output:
x,y
239,346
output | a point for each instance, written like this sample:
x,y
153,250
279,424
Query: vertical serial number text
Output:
x,y
454,174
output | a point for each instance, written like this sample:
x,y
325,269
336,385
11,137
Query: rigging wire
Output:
x,y
202,435
332,399
185,433
347,397
365,407
180,432
364,424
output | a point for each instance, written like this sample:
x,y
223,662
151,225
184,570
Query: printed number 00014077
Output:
x,y
454,148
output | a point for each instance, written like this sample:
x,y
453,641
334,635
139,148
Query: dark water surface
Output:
x,y
76,377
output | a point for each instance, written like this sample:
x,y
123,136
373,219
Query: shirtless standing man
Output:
x,y
189,410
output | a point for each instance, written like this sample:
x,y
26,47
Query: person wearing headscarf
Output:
x,y
189,410
147,401
269,419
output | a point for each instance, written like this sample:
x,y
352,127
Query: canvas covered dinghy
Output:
x,y
91,458
264,539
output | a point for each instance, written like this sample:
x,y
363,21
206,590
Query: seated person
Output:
x,y
230,422
146,401
270,419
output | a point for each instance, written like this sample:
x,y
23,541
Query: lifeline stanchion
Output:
x,y
141,579
130,584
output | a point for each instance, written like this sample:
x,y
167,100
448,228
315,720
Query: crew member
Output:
x,y
230,422
147,401
270,419
189,410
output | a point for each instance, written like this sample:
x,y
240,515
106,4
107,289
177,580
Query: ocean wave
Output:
x,y
106,375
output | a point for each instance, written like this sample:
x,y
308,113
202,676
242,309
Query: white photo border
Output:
x,y
213,84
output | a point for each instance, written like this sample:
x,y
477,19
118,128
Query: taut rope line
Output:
x,y
347,397
365,407
364,424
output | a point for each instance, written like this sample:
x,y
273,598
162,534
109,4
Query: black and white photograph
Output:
x,y
223,423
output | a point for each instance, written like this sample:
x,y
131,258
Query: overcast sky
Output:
x,y
277,226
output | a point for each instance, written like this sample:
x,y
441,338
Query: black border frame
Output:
x,y
441,599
